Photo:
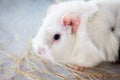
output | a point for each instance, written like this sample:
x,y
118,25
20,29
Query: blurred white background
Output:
x,y
20,19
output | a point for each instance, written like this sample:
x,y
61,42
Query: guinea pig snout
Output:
x,y
41,51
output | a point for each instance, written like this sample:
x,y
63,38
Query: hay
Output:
x,y
32,67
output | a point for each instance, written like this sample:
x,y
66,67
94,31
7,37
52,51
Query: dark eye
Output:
x,y
56,36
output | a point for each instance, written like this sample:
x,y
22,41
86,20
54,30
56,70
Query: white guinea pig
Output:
x,y
78,32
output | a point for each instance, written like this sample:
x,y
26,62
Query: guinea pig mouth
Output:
x,y
41,51
45,55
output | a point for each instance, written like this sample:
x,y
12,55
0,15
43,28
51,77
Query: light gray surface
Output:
x,y
20,19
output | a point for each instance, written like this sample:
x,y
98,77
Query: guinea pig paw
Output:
x,y
77,67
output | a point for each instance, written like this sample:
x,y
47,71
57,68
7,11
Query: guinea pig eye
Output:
x,y
56,37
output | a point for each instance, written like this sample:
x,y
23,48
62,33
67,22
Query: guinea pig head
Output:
x,y
56,37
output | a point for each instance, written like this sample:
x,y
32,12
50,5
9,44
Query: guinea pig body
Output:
x,y
82,33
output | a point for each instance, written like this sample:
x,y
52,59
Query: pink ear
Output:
x,y
72,20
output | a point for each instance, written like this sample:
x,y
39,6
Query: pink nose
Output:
x,y
41,50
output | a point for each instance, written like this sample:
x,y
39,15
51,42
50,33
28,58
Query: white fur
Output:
x,y
94,42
